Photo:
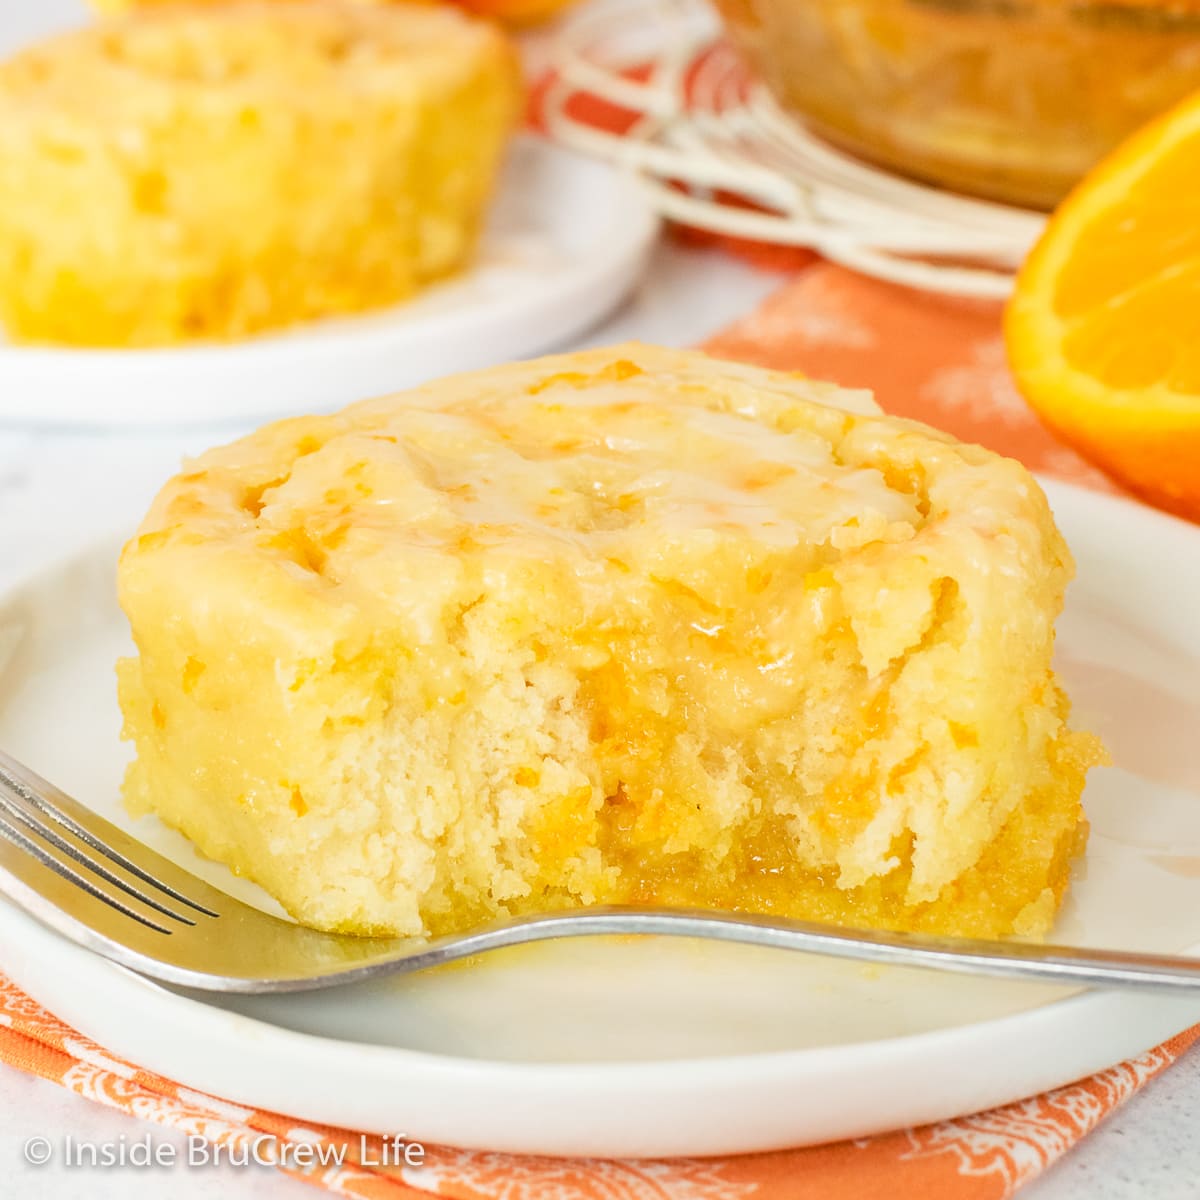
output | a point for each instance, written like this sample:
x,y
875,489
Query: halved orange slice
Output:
x,y
1103,330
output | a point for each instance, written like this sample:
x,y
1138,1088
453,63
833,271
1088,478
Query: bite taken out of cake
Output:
x,y
624,626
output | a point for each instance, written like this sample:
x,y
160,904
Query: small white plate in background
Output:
x,y
566,240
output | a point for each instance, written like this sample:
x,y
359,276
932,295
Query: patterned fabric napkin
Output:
x,y
933,358
926,357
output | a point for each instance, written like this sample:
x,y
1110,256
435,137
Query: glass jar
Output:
x,y
1012,100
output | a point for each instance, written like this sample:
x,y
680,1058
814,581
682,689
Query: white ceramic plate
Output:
x,y
654,1047
567,239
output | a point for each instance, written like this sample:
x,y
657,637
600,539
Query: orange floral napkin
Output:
x,y
933,358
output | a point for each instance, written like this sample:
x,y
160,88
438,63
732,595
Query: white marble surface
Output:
x,y
58,491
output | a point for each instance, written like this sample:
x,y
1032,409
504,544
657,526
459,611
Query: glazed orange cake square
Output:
x,y
623,626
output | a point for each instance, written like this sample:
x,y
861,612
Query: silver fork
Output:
x,y
93,883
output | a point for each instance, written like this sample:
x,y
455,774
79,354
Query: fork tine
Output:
x,y
15,812
12,833
37,792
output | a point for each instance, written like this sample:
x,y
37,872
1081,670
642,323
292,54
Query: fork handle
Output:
x,y
1032,961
